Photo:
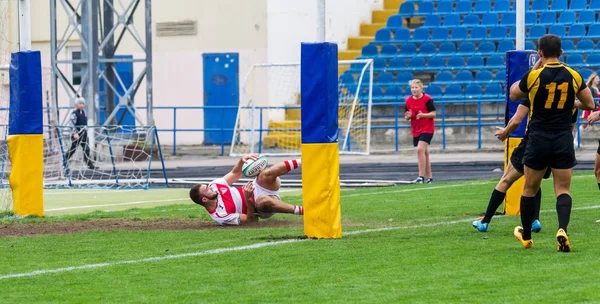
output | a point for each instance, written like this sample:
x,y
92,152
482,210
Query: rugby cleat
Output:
x,y
418,180
536,226
518,232
563,241
481,227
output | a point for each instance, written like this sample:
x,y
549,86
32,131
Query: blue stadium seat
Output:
x,y
432,21
347,78
575,60
407,9
440,34
421,34
594,31
445,7
475,62
495,61
447,49
427,49
501,6
434,91
559,5
547,18
505,46
416,63
369,51
595,5
471,20
464,7
578,5
379,64
404,77
456,63
512,34
466,49
383,35
395,21
529,45
397,64
444,77
484,77
576,31
479,33
587,17
498,33
473,90
464,77
401,35
539,6
537,31
453,91
500,76
408,50
558,30
407,91
482,6
585,73
486,48
530,18
425,8
388,51
451,20
509,19
493,90
490,19
568,46
393,93
376,94
385,79
584,46
567,18
459,34
593,60
436,63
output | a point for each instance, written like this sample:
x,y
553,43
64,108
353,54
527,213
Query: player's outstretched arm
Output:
x,y
236,173
513,124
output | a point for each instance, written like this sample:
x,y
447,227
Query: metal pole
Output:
x,y
53,59
24,25
109,51
520,43
321,20
149,101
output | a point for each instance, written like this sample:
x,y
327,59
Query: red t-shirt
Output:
x,y
423,105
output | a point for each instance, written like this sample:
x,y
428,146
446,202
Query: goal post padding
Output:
x,y
25,141
517,64
319,147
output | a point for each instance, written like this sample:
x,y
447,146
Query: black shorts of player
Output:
x,y
516,158
598,151
426,137
545,149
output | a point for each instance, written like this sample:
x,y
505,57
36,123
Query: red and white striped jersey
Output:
x,y
230,203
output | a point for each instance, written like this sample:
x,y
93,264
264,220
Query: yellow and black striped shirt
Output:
x,y
553,89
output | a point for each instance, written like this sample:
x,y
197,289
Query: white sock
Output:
x,y
298,210
292,164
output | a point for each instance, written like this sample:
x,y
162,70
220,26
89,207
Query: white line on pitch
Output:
x,y
88,191
118,204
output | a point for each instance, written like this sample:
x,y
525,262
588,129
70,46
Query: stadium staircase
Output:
x,y
458,47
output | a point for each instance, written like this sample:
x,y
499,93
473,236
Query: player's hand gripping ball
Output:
x,y
253,167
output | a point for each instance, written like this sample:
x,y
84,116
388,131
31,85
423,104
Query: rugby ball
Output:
x,y
253,167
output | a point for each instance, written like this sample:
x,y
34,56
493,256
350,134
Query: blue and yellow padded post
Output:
x,y
320,156
517,64
25,129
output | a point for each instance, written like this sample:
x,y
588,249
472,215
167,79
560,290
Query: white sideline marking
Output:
x,y
71,192
119,204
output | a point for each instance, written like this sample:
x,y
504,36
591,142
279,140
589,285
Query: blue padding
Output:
x,y
517,64
25,115
319,92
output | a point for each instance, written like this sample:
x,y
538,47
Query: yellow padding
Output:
x,y
321,190
512,201
26,154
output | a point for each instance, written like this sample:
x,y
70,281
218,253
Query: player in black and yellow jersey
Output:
x,y
552,88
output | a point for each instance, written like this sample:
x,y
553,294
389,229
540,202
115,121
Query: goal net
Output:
x,y
268,118
6,47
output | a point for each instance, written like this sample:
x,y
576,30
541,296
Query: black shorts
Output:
x,y
545,149
516,158
426,137
598,151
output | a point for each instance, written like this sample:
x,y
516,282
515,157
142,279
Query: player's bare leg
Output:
x,y
597,169
562,186
269,178
428,172
422,158
270,204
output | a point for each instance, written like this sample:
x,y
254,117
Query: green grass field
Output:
x,y
411,244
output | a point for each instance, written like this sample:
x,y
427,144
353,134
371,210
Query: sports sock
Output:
x,y
298,210
563,209
538,205
527,211
495,202
292,164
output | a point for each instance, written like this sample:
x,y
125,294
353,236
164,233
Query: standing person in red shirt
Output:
x,y
420,111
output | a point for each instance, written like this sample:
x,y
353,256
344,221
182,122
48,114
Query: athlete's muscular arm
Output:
x,y
251,211
513,124
515,92
585,100
236,173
